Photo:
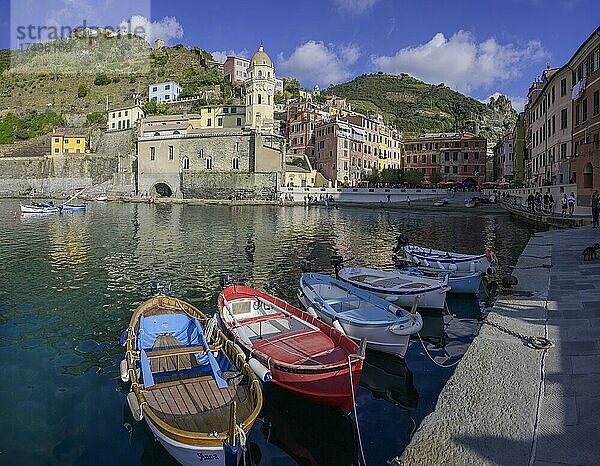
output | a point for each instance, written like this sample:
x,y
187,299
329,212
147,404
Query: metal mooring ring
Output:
x,y
540,343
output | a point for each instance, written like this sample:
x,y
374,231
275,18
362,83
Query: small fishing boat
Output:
x,y
397,286
75,207
358,313
190,384
469,203
292,348
102,198
445,260
460,282
39,208
439,203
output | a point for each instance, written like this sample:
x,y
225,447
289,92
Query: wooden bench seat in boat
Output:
x,y
197,404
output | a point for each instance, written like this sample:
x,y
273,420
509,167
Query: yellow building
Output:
x,y
63,143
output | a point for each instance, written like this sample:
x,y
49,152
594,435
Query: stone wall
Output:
x,y
207,185
54,176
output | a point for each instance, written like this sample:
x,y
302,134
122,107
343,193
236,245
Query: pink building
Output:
x,y
235,69
342,152
301,121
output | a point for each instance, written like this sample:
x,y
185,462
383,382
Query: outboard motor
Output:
x,y
306,266
336,262
226,279
158,287
401,241
401,264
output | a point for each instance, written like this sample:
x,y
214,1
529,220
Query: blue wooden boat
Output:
x,y
358,313
74,207
460,282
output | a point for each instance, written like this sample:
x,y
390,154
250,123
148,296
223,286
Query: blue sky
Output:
x,y
477,47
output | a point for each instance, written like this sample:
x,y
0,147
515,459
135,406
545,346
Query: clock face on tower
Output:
x,y
270,90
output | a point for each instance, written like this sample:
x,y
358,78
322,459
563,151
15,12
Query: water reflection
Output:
x,y
68,284
388,378
311,434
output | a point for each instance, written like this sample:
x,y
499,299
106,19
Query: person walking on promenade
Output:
x,y
571,203
595,210
546,201
551,204
408,200
565,203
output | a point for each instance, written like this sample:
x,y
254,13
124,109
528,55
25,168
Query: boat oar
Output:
x,y
232,423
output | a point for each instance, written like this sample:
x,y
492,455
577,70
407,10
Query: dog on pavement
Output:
x,y
589,253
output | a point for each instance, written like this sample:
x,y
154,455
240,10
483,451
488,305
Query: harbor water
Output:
x,y
69,282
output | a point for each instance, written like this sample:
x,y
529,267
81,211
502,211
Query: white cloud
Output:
x,y
221,55
354,7
316,62
166,29
518,102
461,62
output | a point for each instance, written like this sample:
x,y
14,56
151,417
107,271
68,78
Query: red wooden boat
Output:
x,y
303,354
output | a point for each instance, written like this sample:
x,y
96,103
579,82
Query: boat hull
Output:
x,y
434,299
468,284
460,282
455,262
25,209
328,384
190,455
378,337
74,208
326,388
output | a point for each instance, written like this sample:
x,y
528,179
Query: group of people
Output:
x,y
545,203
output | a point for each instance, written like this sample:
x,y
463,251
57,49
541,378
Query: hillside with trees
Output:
x,y
415,107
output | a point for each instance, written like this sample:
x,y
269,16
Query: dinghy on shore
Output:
x,y
189,383
359,314
293,348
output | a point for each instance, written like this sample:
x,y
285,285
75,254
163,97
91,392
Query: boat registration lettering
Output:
x,y
205,457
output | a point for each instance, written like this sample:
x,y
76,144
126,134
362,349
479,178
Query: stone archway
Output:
x,y
588,175
162,190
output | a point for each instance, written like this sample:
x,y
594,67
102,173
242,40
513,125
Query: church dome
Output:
x,y
261,58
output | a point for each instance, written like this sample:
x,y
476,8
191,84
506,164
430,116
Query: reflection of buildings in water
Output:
x,y
69,239
308,432
387,377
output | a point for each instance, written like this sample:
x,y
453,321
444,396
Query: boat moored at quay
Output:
x,y
189,383
292,348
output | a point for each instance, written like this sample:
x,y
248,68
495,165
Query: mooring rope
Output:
x,y
362,453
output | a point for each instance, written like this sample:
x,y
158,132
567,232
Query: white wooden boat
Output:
x,y
102,198
398,287
39,208
445,260
75,207
359,314
189,383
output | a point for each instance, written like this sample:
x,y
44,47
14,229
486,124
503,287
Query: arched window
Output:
x,y
157,133
260,73
268,74
269,99
588,176
209,163
250,99
186,163
235,163
259,99
176,132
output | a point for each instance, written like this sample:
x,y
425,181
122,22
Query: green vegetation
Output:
x,y
27,125
413,177
291,88
102,79
415,107
95,118
82,91
435,177
385,177
154,108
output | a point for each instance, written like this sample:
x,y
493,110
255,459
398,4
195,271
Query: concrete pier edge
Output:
x,y
509,404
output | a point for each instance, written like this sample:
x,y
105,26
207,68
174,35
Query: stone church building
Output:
x,y
223,151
